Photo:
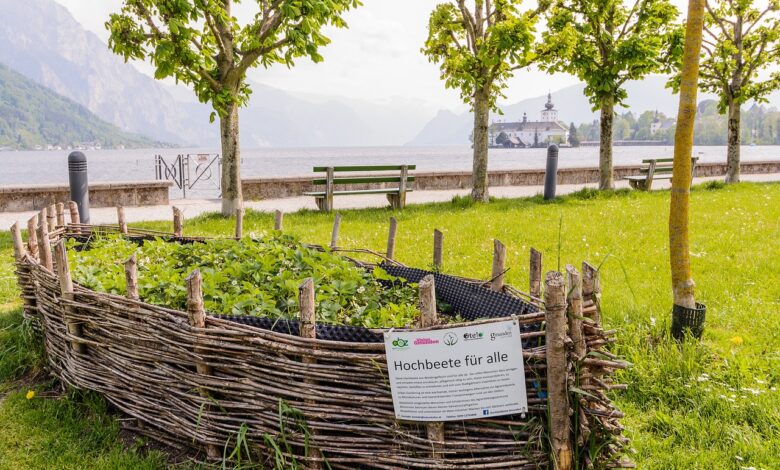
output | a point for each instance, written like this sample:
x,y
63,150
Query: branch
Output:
x,y
719,20
625,28
468,25
758,20
255,54
214,32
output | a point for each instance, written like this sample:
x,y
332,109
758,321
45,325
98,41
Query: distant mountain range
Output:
x,y
32,116
41,40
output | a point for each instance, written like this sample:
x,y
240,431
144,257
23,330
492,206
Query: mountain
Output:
x,y
572,104
42,40
32,115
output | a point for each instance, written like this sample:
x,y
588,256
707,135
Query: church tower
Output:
x,y
549,114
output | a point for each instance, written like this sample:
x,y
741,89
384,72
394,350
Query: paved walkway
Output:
x,y
195,207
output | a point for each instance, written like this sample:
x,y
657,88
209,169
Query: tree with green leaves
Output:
x,y
574,139
477,48
740,41
201,43
605,44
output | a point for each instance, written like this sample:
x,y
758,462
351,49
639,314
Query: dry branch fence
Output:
x,y
192,379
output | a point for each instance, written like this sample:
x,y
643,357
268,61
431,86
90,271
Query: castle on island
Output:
x,y
525,133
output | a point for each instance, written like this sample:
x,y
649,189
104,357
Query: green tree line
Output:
x,y
760,126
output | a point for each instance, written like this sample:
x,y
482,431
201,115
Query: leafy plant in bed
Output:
x,y
250,277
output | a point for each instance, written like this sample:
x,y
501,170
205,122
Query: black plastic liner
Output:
x,y
691,319
351,334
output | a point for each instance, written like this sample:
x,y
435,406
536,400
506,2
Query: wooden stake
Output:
x,y
51,217
334,236
178,222
499,261
66,290
278,220
535,288
429,317
75,218
32,236
574,311
308,329
239,223
591,290
44,244
391,238
197,318
131,278
19,250
120,216
60,214
438,244
557,393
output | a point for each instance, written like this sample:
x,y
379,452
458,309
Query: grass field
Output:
x,y
707,405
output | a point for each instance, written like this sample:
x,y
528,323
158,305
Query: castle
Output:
x,y
527,133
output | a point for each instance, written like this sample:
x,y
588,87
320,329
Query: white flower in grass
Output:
x,y
652,321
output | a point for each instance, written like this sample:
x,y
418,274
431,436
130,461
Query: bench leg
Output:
x,y
320,203
633,184
394,200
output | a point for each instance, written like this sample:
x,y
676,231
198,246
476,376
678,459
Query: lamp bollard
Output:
x,y
551,173
79,186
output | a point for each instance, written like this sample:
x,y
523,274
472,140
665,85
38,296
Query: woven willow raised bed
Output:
x,y
193,380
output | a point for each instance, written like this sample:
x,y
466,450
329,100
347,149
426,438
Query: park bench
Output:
x,y
655,169
395,195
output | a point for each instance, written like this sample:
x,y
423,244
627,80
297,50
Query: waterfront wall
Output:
x,y
132,193
273,188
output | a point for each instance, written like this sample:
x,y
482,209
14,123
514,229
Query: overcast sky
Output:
x,y
377,58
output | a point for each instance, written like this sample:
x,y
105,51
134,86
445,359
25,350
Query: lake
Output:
x,y
35,167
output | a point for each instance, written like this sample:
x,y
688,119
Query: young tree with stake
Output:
x,y
477,47
605,44
740,41
201,43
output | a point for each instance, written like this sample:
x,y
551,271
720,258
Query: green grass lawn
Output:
x,y
707,405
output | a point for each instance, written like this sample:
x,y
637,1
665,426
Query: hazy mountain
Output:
x,y
572,105
32,115
41,40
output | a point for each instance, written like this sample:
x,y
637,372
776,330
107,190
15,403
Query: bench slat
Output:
x,y
358,191
363,179
658,160
318,169
644,178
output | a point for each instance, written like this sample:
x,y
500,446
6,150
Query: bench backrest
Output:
x,y
402,169
662,165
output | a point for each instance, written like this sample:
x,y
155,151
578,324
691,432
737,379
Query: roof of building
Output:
x,y
529,126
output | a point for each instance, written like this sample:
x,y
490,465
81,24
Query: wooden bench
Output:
x,y
656,169
396,195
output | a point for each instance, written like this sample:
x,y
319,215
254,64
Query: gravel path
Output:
x,y
195,207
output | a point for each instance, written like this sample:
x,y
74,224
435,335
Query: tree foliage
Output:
x,y
606,43
200,43
479,48
740,42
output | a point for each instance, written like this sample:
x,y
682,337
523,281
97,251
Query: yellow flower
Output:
x,y
30,394
736,341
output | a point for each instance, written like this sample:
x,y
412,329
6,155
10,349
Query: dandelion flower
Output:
x,y
737,341
30,394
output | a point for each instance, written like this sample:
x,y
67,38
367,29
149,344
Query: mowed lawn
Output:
x,y
707,405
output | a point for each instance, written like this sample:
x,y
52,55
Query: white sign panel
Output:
x,y
457,373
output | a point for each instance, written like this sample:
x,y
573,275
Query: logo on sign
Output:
x,y
501,334
423,341
450,339
473,336
400,343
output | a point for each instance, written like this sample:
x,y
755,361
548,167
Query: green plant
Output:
x,y
250,277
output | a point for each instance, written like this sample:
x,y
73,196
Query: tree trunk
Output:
x,y
479,176
732,159
679,251
232,198
606,178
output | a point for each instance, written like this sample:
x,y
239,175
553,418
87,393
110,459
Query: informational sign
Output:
x,y
457,373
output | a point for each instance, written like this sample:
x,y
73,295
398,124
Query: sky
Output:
x,y
377,58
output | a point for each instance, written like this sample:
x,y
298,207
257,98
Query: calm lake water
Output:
x,y
35,167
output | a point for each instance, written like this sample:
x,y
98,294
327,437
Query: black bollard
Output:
x,y
551,173
79,186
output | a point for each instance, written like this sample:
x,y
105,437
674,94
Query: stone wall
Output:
x,y
273,188
133,193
